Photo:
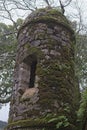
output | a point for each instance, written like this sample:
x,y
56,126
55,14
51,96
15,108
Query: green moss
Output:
x,y
49,121
48,10
82,112
31,50
54,12
49,19
54,68
51,15
53,72
29,123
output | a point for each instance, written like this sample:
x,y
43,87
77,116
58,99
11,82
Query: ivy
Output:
x,y
61,121
82,112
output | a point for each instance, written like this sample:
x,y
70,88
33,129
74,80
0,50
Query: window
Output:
x,y
31,62
32,73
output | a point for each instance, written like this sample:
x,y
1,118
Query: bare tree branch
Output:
x,y
9,14
62,7
47,2
67,3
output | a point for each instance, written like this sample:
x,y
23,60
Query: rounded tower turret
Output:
x,y
45,91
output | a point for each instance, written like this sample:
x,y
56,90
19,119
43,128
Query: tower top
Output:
x,y
46,15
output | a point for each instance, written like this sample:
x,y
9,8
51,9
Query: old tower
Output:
x,y
45,90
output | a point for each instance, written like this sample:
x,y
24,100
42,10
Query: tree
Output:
x,y
10,7
81,60
8,44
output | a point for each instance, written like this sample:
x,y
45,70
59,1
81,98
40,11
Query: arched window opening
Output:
x,y
32,73
31,62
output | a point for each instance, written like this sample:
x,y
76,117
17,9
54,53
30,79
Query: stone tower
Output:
x,y
45,93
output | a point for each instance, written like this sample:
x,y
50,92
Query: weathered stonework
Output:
x,y
45,85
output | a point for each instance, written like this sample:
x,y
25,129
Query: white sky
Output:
x,y
4,112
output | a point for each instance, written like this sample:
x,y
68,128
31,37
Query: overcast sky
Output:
x,y
4,112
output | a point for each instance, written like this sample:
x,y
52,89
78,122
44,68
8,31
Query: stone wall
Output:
x,y
45,85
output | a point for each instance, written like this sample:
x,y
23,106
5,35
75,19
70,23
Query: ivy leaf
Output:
x,y
66,124
59,124
52,120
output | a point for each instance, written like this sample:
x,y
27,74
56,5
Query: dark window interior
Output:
x,y
32,73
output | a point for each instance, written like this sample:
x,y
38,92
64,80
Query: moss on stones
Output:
x,y
31,50
54,54
48,122
50,15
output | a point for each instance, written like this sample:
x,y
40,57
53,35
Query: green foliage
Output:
x,y
81,59
51,120
33,50
62,121
57,120
8,45
82,112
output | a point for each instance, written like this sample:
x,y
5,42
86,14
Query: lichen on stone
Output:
x,y
45,41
